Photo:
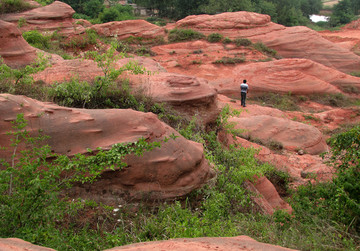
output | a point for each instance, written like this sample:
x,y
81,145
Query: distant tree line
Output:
x,y
286,12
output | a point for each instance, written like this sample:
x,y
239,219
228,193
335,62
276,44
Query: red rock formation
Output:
x,y
64,70
295,76
291,134
175,169
53,17
15,51
290,42
15,244
125,29
189,95
266,196
243,242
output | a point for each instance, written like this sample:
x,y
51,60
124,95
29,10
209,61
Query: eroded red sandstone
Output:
x,y
175,169
15,51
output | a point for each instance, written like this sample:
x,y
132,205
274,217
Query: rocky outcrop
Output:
x,y
15,244
189,95
266,196
53,17
175,169
243,242
64,70
15,51
295,76
291,134
289,42
129,28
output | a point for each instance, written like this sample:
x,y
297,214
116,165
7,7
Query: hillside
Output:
x,y
146,139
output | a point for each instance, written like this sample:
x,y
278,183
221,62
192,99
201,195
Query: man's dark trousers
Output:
x,y
243,98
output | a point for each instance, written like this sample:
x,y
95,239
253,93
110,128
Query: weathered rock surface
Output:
x,y
296,76
125,29
201,244
55,16
15,244
196,58
289,42
189,95
347,37
175,169
15,51
291,134
64,70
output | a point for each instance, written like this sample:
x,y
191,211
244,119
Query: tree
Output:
x,y
176,9
342,13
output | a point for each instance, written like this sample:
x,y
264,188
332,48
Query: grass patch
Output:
x,y
12,6
242,42
334,100
180,35
228,60
214,38
284,102
264,49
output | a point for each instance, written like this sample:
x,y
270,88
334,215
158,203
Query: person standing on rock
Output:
x,y
244,87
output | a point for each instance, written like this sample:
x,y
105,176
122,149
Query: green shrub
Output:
x,y
179,35
227,40
157,21
228,60
198,51
214,37
242,42
11,6
263,48
336,99
90,37
116,13
20,81
21,22
36,39
144,51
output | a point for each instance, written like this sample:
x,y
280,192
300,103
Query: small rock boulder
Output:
x,y
128,28
290,134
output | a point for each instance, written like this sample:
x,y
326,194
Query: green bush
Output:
x,y
11,6
157,21
179,35
242,42
90,37
228,60
20,81
116,13
36,39
214,37
263,48
227,40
